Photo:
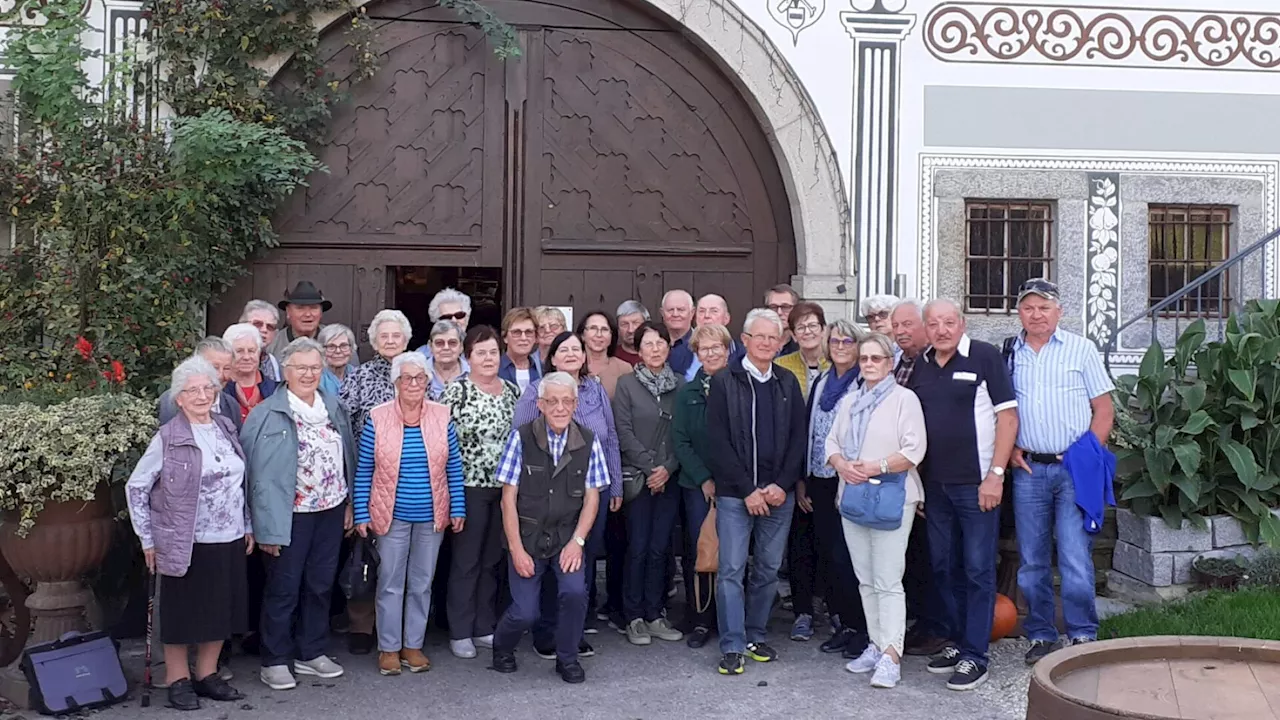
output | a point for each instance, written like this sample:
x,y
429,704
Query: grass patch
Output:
x,y
1252,613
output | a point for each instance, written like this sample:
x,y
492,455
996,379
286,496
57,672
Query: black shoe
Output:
x,y
360,643
698,637
251,644
855,646
1040,648
732,664
922,644
589,626
182,696
838,640
504,661
215,688
618,622
968,675
944,662
761,652
585,649
571,673
544,653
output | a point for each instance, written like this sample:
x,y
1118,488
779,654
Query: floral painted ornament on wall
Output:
x,y
796,15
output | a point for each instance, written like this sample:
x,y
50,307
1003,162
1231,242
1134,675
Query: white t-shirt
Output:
x,y
522,378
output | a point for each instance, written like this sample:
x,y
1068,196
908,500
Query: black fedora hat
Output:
x,y
305,293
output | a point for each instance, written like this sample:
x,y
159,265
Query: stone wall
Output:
x,y
1159,557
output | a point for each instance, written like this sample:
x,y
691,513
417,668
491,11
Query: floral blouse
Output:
x,y
321,483
365,388
483,422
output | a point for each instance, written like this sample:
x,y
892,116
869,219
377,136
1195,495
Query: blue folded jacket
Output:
x,y
1092,468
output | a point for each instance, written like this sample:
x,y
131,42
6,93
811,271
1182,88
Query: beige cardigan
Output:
x,y
897,426
609,374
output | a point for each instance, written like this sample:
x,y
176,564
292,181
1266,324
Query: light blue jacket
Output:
x,y
270,441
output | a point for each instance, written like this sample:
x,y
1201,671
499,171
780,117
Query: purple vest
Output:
x,y
174,496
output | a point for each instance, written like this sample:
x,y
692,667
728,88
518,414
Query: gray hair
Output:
x,y
844,328
254,306
941,303
880,340
448,295
911,303
386,316
563,379
632,307
409,358
215,344
301,345
877,303
333,330
673,293
443,327
193,367
239,331
762,314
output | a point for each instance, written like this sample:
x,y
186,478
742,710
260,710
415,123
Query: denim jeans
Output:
x,y
407,564
650,519
300,580
743,614
963,543
571,608
1044,506
696,509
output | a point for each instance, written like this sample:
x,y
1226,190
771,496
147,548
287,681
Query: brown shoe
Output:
x,y
389,663
414,660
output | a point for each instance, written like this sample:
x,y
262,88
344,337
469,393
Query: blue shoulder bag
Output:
x,y
877,503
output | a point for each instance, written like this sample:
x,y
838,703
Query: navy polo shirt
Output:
x,y
960,401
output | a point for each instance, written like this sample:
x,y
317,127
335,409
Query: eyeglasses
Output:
x,y
654,344
211,390
876,317
761,337
460,315
872,358
522,333
306,370
712,350
808,328
843,342
444,343
261,325
781,308
414,380
549,328
558,402
597,329
344,347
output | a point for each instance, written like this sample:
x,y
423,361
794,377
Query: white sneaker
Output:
x,y
320,666
277,677
888,673
662,630
484,641
638,632
463,648
866,662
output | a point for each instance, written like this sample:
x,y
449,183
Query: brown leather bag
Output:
x,y
708,561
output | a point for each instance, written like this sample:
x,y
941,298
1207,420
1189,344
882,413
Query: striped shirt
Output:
x,y
509,466
413,488
1054,388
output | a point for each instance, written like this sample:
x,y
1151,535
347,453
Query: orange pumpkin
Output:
x,y
1006,618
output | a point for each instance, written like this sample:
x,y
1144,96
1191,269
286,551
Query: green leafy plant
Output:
x,y
1202,436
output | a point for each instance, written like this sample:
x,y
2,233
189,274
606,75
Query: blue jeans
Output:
x,y
544,630
650,520
1044,507
696,509
744,616
962,545
571,592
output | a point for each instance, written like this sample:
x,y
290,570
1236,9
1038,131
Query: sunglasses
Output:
x,y
460,315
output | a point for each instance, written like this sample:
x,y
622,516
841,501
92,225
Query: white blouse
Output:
x,y
897,426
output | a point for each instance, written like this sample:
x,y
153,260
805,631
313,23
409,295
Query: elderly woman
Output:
x,y
247,386
879,437
408,491
551,322
710,343
445,363
807,323
643,409
600,333
339,345
482,405
518,365
301,458
878,310
187,505
369,385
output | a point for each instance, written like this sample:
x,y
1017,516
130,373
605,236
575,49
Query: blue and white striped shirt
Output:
x,y
1054,388
413,487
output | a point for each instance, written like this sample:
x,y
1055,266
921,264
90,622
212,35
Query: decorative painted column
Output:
x,y
878,28
1102,259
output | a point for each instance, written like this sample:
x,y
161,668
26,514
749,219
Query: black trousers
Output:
x,y
301,580
802,562
833,562
473,571
924,605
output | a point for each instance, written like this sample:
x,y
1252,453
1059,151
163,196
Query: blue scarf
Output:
x,y
864,404
836,387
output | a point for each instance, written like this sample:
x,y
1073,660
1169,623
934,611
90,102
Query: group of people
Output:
x,y
872,460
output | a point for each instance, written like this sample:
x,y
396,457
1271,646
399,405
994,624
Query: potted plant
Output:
x,y
1222,569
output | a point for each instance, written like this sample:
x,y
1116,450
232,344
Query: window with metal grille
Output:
x,y
1187,241
1007,242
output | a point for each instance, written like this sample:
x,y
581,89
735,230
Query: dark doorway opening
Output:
x,y
414,286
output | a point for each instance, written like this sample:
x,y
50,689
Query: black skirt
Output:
x,y
210,602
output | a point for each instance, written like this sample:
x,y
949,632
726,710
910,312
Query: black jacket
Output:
x,y
732,444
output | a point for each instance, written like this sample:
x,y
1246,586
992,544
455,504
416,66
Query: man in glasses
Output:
x,y
264,317
782,299
448,304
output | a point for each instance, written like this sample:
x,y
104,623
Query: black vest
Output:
x,y
549,500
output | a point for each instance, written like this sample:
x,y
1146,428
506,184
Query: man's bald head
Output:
x,y
712,310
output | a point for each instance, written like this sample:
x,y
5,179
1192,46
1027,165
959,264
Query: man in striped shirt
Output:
x,y
1063,392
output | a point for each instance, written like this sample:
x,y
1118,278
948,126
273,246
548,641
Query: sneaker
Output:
x,y
320,666
545,653
603,614
802,628
617,622
638,632
589,625
388,663
698,637
277,677
732,664
585,649
866,662
1082,640
968,675
414,660
944,663
662,630
484,641
225,674
464,648
888,673
1038,649
841,637
761,652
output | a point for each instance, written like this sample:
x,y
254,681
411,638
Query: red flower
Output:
x,y
117,371
84,347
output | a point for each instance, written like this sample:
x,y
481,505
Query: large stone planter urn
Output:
x,y
68,540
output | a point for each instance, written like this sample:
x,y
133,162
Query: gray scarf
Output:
x,y
660,384
865,403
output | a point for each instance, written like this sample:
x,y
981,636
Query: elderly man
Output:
x,y
757,446
781,299
970,415
265,317
552,470
677,315
218,352
631,315
303,308
448,304
710,310
1064,402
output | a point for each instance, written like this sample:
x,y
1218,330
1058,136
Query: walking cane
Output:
x,y
151,612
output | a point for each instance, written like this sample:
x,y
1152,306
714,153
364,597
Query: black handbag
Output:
x,y
359,578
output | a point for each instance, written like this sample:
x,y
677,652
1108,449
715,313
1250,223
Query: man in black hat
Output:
x,y
302,308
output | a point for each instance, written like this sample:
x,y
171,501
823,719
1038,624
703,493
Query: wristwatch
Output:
x,y
998,471
581,541
884,466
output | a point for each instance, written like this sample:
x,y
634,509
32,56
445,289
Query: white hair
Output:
x,y
563,379
911,303
448,295
444,327
762,314
386,316
240,331
671,293
409,358
193,367
332,330
215,344
877,303
632,307
254,306
941,303
301,345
